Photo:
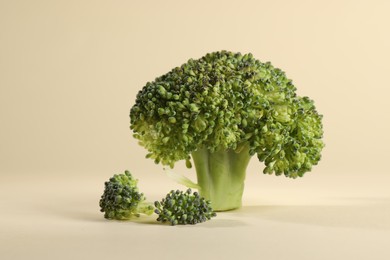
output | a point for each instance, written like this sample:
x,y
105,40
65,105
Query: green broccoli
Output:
x,y
220,110
183,208
121,199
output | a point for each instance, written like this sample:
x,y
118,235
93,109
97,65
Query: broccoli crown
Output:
x,y
121,198
225,101
183,208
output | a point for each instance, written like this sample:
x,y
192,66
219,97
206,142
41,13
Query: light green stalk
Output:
x,y
221,176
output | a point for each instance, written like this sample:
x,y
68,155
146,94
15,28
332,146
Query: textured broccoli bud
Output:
x,y
220,110
122,200
183,208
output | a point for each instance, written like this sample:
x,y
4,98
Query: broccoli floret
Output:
x,y
183,208
122,200
220,110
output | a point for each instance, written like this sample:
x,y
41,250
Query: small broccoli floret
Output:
x,y
121,199
183,208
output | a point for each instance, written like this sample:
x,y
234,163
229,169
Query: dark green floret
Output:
x,y
122,200
219,111
182,208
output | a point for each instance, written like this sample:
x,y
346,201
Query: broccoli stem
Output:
x,y
221,176
145,208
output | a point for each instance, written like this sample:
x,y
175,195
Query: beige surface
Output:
x,y
317,218
69,73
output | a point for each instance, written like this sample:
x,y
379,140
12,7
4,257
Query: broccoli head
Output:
x,y
220,110
122,200
183,208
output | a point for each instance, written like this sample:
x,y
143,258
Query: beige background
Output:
x,y
69,73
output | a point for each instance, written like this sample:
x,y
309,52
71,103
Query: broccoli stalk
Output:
x,y
221,110
221,176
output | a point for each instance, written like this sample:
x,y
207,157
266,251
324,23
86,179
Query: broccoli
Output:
x,y
220,110
183,208
121,199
